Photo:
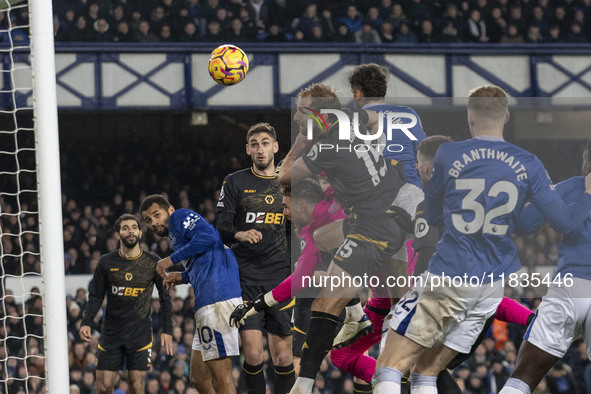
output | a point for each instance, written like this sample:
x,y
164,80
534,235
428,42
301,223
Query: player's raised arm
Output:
x,y
562,217
196,230
96,293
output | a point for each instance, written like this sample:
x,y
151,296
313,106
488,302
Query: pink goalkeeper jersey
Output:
x,y
326,211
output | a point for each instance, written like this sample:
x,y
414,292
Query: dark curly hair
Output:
x,y
370,79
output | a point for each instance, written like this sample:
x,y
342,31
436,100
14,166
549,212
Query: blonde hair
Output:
x,y
488,101
323,96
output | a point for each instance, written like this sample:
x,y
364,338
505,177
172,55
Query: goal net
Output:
x,y
33,343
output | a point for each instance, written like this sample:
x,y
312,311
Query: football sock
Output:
x,y
302,386
421,384
387,381
284,379
515,386
254,378
354,311
318,342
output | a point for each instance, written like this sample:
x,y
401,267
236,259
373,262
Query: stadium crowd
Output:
x,y
89,214
276,21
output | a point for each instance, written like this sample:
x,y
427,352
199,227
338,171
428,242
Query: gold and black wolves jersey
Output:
x,y
250,201
128,284
363,181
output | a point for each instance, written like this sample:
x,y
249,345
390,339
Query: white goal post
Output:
x,y
49,196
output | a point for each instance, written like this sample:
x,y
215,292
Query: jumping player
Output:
x,y
477,190
249,216
564,312
309,208
366,186
211,269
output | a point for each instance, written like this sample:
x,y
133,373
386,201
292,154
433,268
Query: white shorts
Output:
x,y
214,337
561,317
453,315
409,197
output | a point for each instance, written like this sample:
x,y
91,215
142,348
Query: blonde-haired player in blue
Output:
x,y
477,191
565,311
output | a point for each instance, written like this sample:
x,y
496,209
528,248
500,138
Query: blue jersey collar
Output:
x,y
488,138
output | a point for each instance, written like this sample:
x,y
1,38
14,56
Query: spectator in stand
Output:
x,y
102,31
327,23
516,18
560,19
214,32
123,34
209,9
397,17
248,24
144,33
512,36
222,18
343,34
427,33
496,25
190,33
317,34
367,35
405,35
158,18
308,20
81,30
533,35
575,35
352,19
165,34
385,9
387,33
476,28
373,18
236,32
539,20
455,25
280,13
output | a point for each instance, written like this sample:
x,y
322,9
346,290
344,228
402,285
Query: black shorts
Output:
x,y
137,353
276,320
302,314
369,242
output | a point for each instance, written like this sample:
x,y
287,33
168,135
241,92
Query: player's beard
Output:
x,y
263,166
128,244
161,233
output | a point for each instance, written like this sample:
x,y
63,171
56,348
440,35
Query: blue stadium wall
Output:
x,y
174,76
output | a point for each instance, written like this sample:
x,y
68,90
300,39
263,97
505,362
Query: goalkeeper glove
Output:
x,y
251,308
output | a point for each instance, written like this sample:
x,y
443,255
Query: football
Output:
x,y
228,65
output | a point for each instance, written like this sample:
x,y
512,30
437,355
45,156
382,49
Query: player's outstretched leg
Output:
x,y
356,325
323,323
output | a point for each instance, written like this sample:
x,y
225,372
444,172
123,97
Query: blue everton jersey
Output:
x,y
210,267
575,249
400,147
477,192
